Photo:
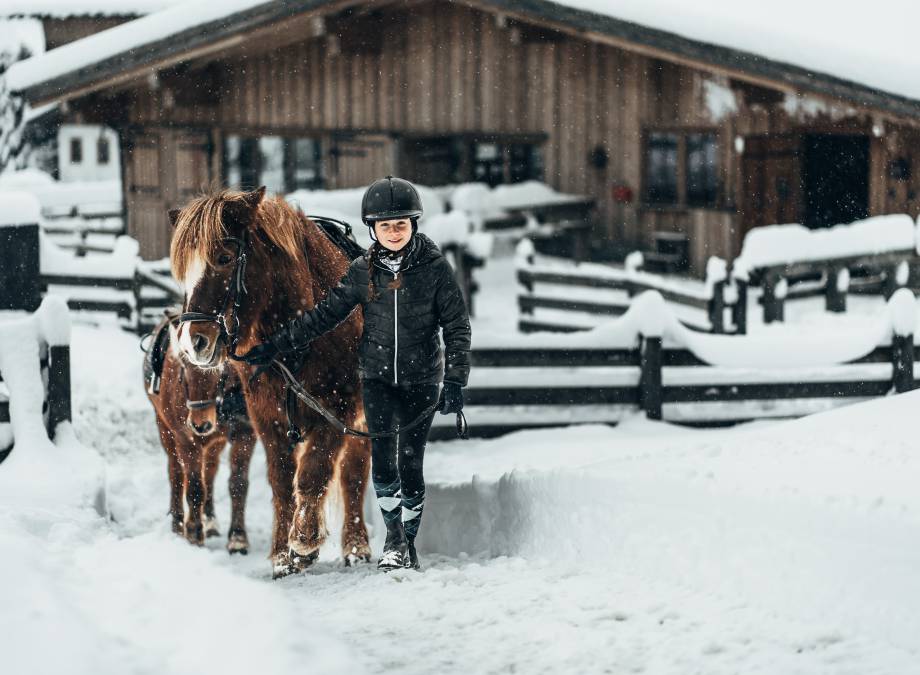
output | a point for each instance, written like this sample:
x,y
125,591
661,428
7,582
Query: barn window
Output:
x,y
76,150
702,169
462,158
682,168
661,168
280,164
102,151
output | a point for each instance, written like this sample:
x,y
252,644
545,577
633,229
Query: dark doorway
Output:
x,y
836,179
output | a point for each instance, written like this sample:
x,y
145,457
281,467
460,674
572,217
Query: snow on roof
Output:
x,y
869,44
19,37
62,9
124,38
850,42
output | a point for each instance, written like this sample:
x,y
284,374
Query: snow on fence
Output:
x,y
34,375
647,360
874,255
586,289
31,266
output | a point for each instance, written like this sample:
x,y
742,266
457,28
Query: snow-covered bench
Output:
x,y
791,261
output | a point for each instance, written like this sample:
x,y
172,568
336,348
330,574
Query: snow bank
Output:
x,y
39,471
120,264
783,244
19,208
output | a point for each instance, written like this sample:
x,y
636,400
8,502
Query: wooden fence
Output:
x,y
554,383
709,305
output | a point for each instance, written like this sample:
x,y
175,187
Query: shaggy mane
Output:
x,y
200,227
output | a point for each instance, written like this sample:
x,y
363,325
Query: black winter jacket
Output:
x,y
400,340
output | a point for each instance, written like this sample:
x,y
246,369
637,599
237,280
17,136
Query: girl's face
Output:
x,y
393,234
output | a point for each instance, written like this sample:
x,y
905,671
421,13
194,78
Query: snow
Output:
x,y
773,547
86,198
781,244
120,264
852,42
19,208
21,36
62,9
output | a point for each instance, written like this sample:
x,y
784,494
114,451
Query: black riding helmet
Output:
x,y
390,198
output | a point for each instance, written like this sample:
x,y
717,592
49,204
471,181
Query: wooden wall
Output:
x,y
446,68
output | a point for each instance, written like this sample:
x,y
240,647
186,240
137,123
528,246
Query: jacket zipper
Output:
x,y
395,330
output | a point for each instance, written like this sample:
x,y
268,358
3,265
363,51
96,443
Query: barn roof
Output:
x,y
706,38
65,9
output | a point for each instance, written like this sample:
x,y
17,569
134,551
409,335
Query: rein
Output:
x,y
235,293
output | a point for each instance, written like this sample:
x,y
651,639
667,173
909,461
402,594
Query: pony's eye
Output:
x,y
224,259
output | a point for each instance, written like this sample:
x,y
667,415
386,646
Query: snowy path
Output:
x,y
780,548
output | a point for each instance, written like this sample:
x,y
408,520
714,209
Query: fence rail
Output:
x,y
561,383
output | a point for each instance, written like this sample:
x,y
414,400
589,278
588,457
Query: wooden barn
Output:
x,y
667,133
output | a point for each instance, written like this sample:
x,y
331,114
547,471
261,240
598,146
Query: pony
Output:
x,y
249,263
198,412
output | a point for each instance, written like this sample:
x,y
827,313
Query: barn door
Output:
x,y
771,181
164,168
359,160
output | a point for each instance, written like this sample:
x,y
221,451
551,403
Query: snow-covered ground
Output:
x,y
767,548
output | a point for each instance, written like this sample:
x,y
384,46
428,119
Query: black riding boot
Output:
x,y
394,547
411,559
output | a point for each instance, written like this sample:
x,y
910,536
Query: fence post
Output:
x,y
717,307
902,309
739,308
895,277
835,292
20,267
774,295
58,387
650,388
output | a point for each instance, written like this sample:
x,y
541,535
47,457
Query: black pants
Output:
x,y
397,468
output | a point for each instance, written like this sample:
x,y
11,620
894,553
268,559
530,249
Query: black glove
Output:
x,y
261,355
451,400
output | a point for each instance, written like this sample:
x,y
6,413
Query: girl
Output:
x,y
407,290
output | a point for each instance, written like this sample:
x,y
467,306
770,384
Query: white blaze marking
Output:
x,y
194,273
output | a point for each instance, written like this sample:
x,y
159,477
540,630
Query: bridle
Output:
x,y
235,293
201,404
229,330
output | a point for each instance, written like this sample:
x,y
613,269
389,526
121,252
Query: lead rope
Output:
x,y
292,385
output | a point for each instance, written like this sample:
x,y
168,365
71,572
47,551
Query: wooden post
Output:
x,y
650,388
835,291
717,307
58,387
902,361
20,270
773,298
739,309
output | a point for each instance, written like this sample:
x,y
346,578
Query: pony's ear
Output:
x,y
254,198
173,216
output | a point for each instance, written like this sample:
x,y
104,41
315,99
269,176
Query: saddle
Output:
x,y
155,352
339,233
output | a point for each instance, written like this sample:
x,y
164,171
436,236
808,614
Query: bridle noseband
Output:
x,y
229,331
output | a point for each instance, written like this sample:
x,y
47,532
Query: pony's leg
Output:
x,y
243,442
194,490
176,482
281,468
211,464
354,473
315,468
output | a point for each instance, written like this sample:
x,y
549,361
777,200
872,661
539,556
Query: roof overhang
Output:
x,y
233,29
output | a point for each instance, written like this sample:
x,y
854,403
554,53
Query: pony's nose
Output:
x,y
200,342
203,428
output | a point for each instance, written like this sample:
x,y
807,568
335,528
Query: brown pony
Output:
x,y
196,417
248,265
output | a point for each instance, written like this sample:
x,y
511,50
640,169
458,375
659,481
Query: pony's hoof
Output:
x,y
178,527
357,555
195,534
302,562
211,528
238,543
281,566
